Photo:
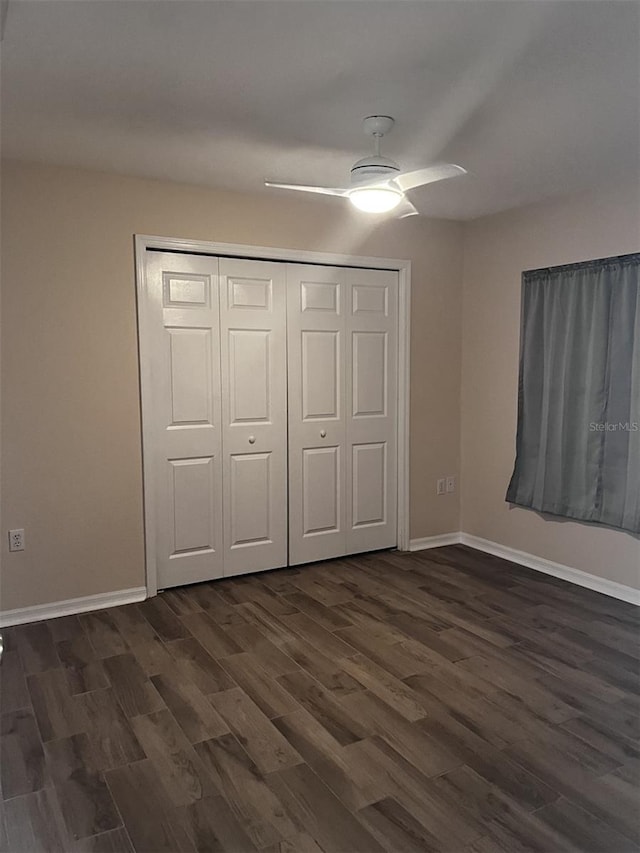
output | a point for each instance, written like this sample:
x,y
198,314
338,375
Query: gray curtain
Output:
x,y
578,440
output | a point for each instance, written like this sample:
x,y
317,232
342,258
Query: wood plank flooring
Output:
x,y
444,700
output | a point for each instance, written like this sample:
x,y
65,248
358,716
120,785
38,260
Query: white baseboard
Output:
x,y
434,541
538,564
128,596
566,573
71,605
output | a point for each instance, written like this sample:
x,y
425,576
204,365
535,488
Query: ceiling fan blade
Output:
x,y
419,177
405,208
307,189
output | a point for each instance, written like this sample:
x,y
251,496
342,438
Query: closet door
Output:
x,y
184,420
254,414
372,321
342,342
317,469
270,413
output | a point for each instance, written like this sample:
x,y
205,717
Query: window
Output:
x,y
578,439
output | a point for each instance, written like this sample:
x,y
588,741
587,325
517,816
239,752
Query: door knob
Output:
x,y
323,433
252,439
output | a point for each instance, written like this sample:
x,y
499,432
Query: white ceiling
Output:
x,y
534,98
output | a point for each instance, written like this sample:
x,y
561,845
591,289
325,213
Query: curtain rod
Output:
x,y
596,262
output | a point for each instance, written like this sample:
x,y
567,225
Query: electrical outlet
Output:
x,y
16,540
440,486
451,484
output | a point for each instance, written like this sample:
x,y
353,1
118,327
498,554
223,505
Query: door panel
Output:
x,y
250,514
316,357
190,357
245,292
372,422
249,376
369,483
370,299
319,296
320,375
342,336
320,490
254,410
184,455
194,510
192,290
369,374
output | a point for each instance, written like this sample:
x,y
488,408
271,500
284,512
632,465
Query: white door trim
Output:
x,y
144,242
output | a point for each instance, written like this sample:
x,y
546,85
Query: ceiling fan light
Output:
x,y
375,199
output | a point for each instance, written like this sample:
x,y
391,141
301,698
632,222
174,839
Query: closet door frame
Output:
x,y
144,243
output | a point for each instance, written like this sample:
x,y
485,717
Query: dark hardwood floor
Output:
x,y
439,701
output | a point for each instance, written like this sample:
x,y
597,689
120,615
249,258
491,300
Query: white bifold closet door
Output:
x,y
184,455
215,330
254,414
270,413
342,350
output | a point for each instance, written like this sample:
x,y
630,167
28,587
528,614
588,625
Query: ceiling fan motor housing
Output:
x,y
373,168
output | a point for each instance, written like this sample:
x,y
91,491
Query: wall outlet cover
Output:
x,y
16,540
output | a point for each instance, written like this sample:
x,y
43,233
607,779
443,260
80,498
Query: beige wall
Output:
x,y
71,460
497,250
71,464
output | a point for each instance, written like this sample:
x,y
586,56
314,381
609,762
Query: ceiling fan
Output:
x,y
377,184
